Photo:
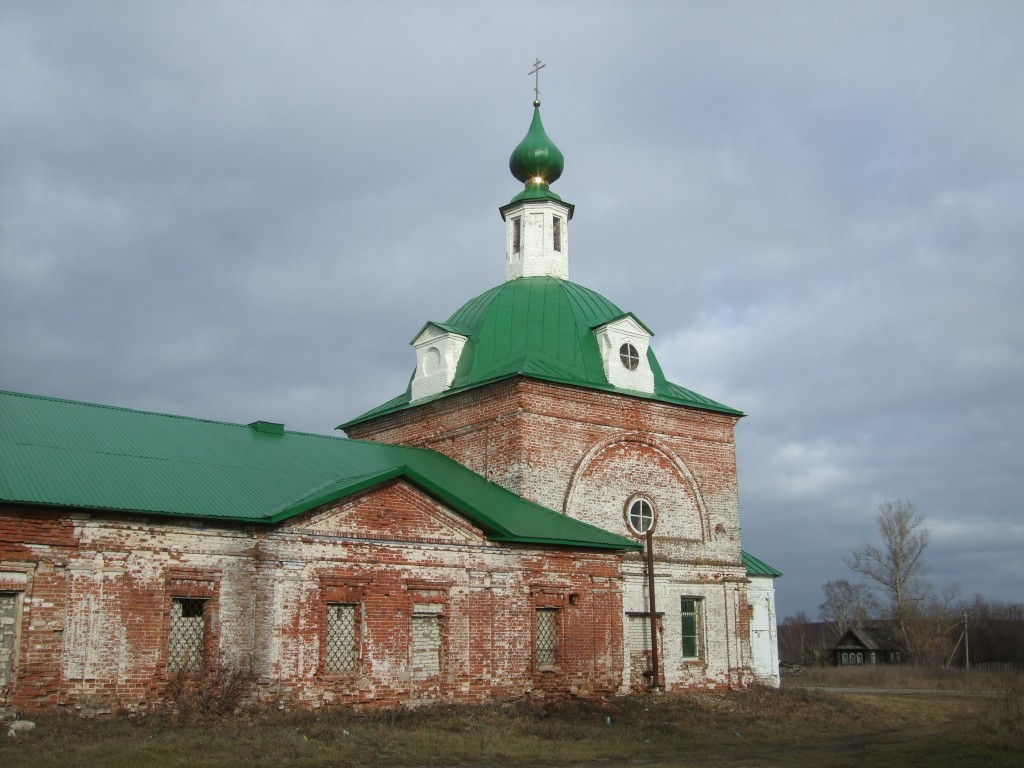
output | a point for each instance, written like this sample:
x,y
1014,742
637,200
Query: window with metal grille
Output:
x,y
187,634
342,640
8,625
547,637
691,627
517,234
426,640
557,233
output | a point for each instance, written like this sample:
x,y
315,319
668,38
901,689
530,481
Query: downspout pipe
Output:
x,y
652,611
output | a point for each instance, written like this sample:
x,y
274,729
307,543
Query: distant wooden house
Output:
x,y
866,645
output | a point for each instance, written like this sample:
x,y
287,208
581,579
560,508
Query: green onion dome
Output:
x,y
536,160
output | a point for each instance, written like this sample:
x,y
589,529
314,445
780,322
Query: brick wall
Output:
x,y
94,606
589,454
552,443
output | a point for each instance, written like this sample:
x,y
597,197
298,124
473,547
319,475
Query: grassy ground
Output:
x,y
907,677
793,727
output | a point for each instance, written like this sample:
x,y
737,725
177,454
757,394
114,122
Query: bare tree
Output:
x,y
793,637
847,605
996,631
804,641
897,565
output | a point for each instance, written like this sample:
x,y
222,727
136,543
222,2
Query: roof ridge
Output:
x,y
146,412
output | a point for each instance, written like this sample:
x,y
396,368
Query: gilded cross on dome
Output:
x,y
537,67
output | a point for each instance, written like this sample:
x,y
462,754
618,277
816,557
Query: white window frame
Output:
x,y
641,502
697,635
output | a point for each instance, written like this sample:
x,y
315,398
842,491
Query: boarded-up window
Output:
x,y
517,234
639,633
638,642
426,640
547,637
691,627
187,634
557,233
342,639
8,627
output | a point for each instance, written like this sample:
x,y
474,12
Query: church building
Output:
x,y
506,527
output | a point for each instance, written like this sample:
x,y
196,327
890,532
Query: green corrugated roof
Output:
x,y
71,454
757,567
541,327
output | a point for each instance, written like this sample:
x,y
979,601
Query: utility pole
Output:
x,y
967,646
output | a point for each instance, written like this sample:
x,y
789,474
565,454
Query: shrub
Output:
x,y
216,689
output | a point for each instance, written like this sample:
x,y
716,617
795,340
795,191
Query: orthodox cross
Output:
x,y
537,67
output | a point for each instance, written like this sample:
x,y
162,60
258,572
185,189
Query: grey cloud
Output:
x,y
240,211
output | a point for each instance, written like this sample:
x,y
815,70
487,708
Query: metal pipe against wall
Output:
x,y
652,610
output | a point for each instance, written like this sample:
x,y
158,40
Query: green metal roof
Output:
x,y
536,156
79,455
757,567
535,190
536,162
541,327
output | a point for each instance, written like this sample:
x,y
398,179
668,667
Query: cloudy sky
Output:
x,y
245,211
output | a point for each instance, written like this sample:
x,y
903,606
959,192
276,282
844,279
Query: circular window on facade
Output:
x,y
629,356
640,516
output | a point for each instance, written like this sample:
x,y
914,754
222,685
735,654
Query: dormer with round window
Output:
x,y
623,343
438,349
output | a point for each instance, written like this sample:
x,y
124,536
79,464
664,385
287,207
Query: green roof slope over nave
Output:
x,y
67,454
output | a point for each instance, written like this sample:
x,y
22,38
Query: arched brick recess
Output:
x,y
621,467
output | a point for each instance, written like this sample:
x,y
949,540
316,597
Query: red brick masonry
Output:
x,y
94,596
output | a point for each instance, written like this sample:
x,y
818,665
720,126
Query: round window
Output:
x,y
629,356
640,516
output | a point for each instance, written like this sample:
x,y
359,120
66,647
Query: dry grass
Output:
x,y
1004,707
907,677
756,727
